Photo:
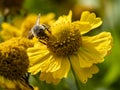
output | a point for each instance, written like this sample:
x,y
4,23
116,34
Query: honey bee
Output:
x,y
39,30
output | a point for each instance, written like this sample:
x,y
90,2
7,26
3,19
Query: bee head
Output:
x,y
38,30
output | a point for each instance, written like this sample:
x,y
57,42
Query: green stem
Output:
x,y
76,80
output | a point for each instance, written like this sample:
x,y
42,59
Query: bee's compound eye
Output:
x,y
38,30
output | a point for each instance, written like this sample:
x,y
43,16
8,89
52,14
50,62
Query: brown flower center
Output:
x,y
66,43
13,58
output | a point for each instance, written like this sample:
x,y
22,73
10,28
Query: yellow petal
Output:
x,y
65,18
82,73
53,65
91,19
9,31
40,66
37,54
101,42
42,60
63,23
46,64
82,26
62,72
6,82
48,78
48,18
88,56
87,73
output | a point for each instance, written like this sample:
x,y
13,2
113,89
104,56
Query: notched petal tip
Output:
x,y
91,18
88,73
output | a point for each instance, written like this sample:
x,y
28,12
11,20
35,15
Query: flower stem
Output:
x,y
76,80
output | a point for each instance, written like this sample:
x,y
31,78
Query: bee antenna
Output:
x,y
38,20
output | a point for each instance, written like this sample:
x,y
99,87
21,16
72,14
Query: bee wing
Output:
x,y
38,20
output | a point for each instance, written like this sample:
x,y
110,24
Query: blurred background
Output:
x,y
108,78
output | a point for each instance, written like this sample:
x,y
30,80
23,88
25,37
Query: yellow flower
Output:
x,y
21,26
14,64
9,31
68,47
17,21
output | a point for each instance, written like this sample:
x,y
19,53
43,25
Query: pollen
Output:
x,y
13,58
65,43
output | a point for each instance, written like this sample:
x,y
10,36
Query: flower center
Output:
x,y
13,64
13,58
65,43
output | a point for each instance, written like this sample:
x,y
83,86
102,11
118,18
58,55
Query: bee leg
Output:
x,y
25,78
47,28
42,42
